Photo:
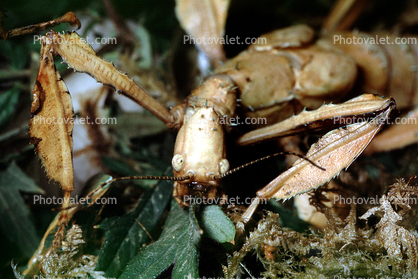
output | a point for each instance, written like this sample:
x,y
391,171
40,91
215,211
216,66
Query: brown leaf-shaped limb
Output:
x,y
51,125
81,57
326,117
334,151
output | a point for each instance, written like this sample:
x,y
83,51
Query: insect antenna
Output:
x,y
93,195
172,178
215,177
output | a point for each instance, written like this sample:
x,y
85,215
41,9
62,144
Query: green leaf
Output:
x,y
125,169
216,224
125,235
19,57
16,53
177,245
118,166
16,222
8,102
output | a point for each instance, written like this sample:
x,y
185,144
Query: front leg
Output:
x,y
81,57
51,128
51,124
334,151
326,117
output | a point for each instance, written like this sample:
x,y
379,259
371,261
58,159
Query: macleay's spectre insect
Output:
x,y
290,67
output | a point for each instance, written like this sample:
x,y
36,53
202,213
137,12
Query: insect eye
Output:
x,y
224,166
177,162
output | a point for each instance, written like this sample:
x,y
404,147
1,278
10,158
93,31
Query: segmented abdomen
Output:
x,y
387,64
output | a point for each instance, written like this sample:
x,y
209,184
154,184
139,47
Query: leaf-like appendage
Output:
x,y
334,152
51,125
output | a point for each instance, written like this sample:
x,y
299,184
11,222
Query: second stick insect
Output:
x,y
200,158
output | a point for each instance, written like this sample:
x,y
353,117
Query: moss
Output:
x,y
345,248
